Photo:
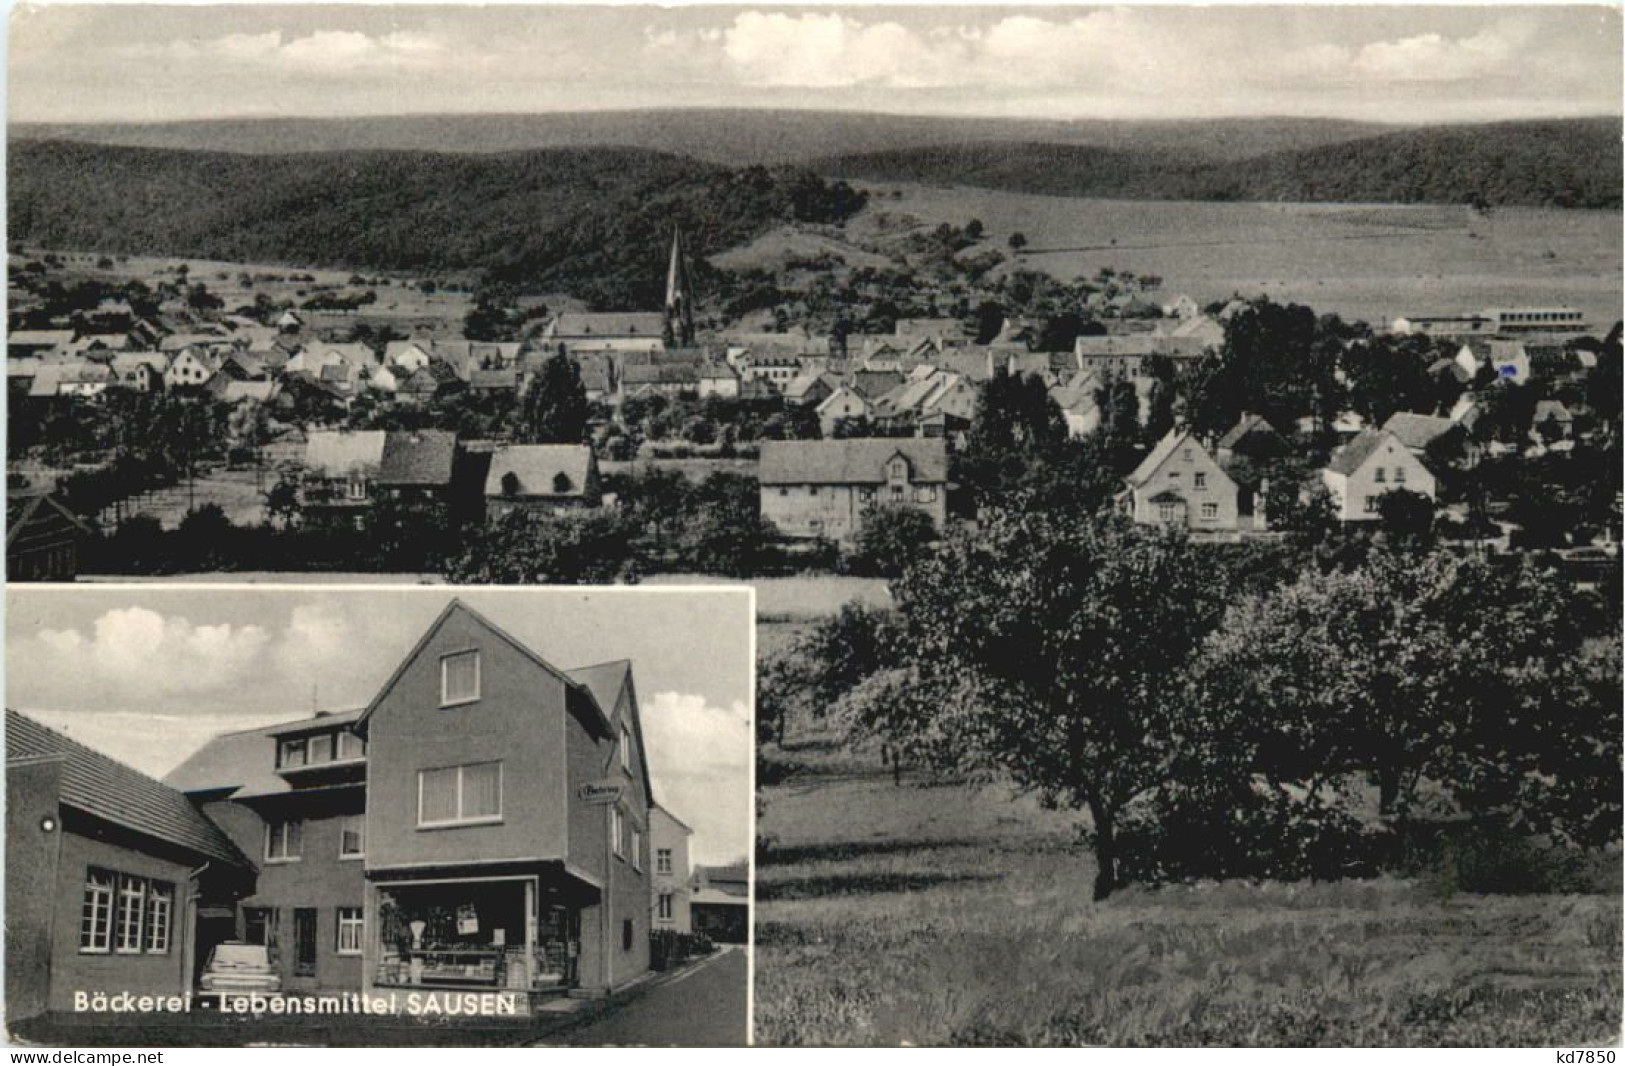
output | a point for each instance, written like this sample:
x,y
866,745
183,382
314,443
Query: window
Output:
x,y
459,794
784,492
349,931
320,748
664,912
357,489
1200,479
899,493
626,934
1167,512
626,748
1380,476
293,752
1399,475
96,916
351,746
662,860
283,841
1371,505
925,494
352,837
615,831
132,906
637,849
1210,511
459,678
813,491
160,908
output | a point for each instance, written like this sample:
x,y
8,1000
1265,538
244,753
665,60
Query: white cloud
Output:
x,y
140,649
699,758
317,52
823,51
1434,57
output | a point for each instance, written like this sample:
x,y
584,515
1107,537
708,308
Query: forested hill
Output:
x,y
595,221
1559,163
730,136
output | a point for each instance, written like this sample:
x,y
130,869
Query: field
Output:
x,y
401,304
940,912
1370,262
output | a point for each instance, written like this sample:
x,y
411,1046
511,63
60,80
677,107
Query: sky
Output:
x,y
146,675
1389,63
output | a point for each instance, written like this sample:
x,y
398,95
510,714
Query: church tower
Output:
x,y
679,321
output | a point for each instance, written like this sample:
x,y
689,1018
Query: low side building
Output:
x,y
106,870
720,903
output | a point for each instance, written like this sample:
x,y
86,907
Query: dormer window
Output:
x,y
626,749
897,470
510,484
459,678
294,753
561,483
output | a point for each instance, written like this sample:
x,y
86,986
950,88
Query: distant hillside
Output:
x,y
593,222
734,137
1565,163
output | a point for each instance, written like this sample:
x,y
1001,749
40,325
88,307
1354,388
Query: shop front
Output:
x,y
510,933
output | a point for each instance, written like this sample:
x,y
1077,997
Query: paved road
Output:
x,y
701,1006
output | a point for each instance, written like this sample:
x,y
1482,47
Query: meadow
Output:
x,y
937,912
1364,261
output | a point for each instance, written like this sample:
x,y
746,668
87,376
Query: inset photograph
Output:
x,y
378,816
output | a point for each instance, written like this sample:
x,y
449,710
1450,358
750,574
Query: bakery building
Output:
x,y
482,825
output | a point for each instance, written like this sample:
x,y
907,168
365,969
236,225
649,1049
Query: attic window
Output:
x,y
561,483
459,678
510,484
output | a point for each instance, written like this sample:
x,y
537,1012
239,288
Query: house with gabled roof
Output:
x,y
824,488
482,825
106,868
1252,437
43,537
541,478
1179,483
669,837
844,404
340,471
1362,471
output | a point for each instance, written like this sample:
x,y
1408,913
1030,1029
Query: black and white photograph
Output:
x,y
489,817
1169,457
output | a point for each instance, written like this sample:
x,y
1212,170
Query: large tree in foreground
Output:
x,y
1051,650
1459,677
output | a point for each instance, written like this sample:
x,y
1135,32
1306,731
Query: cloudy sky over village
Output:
x,y
148,676
147,63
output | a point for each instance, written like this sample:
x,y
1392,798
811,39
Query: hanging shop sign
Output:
x,y
601,792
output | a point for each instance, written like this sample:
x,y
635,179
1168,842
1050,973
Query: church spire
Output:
x,y
679,320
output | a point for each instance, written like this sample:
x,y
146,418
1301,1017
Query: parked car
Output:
x,y
238,967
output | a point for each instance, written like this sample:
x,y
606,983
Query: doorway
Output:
x,y
304,942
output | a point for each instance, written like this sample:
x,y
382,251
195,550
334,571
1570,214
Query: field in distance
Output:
x,y
1363,261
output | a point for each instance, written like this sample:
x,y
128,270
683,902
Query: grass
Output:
x,y
799,597
943,913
